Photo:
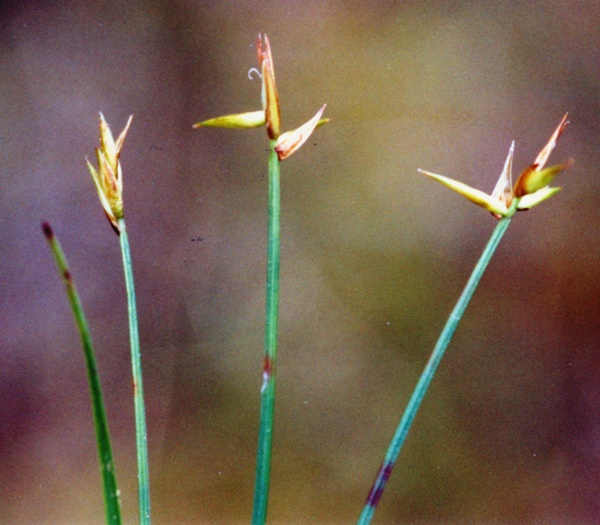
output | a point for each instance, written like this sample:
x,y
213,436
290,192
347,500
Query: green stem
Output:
x,y
107,468
267,397
138,387
414,403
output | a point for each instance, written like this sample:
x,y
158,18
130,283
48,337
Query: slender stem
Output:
x,y
138,388
414,403
107,467
267,393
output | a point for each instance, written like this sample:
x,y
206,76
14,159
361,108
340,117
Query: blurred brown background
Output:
x,y
373,258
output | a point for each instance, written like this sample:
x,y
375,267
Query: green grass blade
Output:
x,y
420,390
109,481
267,398
141,438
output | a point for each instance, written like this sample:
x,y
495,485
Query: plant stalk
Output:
x,y
267,393
107,467
420,390
141,438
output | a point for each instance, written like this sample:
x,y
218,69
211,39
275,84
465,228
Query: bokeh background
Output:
x,y
373,258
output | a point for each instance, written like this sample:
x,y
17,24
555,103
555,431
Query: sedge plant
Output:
x,y
107,467
108,179
281,146
531,188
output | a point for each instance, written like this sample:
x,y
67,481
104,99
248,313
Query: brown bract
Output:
x,y
269,89
291,141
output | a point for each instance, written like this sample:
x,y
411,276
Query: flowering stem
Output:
x,y
414,403
107,468
267,393
138,389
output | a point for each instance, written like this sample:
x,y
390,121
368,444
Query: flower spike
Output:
x,y
108,179
285,143
532,186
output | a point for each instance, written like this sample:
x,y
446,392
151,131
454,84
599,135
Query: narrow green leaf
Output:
x,y
107,467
